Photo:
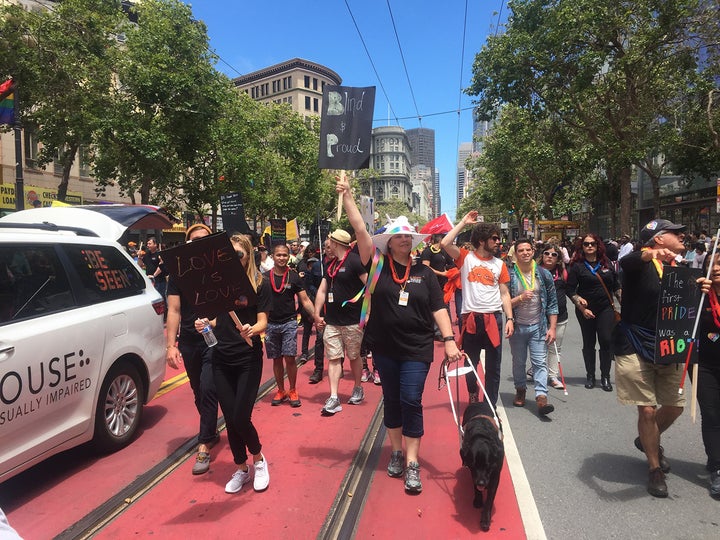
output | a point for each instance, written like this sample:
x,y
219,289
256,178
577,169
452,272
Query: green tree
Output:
x,y
607,69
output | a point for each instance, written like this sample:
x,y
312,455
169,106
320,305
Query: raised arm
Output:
x,y
364,242
447,242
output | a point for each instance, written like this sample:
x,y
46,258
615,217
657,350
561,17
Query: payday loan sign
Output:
x,y
346,127
677,312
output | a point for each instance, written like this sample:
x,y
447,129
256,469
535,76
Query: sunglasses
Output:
x,y
550,254
589,244
495,238
240,254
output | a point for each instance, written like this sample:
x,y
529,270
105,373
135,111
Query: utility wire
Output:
x,y
402,56
462,62
371,62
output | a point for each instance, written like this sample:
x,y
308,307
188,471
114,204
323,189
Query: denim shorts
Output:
x,y
281,339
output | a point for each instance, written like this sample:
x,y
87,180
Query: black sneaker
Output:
x,y
664,463
715,484
656,483
316,376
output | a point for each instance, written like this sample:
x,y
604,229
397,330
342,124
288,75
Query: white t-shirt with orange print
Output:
x,y
480,279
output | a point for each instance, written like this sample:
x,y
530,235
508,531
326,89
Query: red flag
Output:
x,y
439,225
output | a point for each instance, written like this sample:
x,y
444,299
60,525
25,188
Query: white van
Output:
x,y
82,347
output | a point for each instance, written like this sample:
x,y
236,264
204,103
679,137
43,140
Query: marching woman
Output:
x,y
406,300
552,261
237,368
708,379
589,285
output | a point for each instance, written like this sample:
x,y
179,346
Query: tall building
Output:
x,y
436,194
463,180
422,152
297,82
422,181
481,129
391,159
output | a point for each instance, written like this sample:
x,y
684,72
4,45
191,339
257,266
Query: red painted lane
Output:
x,y
308,456
444,508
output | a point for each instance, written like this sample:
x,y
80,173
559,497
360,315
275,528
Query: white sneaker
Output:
x,y
262,475
236,482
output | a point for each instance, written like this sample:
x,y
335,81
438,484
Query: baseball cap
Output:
x,y
656,226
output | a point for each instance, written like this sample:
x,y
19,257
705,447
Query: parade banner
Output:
x,y
278,232
209,275
677,311
233,213
346,127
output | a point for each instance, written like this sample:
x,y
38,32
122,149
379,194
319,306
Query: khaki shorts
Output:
x,y
342,340
644,383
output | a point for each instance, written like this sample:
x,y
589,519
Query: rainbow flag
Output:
x,y
7,102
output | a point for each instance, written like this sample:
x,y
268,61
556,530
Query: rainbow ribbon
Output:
x,y
375,269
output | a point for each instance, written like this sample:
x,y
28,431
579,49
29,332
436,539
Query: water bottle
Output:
x,y
209,335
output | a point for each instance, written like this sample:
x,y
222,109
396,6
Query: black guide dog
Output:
x,y
482,452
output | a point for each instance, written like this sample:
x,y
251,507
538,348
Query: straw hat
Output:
x,y
341,237
397,226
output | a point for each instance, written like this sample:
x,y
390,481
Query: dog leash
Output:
x,y
443,377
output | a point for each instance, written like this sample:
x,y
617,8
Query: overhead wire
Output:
x,y
377,75
402,57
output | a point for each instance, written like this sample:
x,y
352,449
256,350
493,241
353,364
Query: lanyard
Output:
x,y
522,277
593,269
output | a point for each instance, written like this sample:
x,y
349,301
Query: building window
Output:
x,y
289,100
314,83
307,81
394,193
315,104
31,149
84,161
307,103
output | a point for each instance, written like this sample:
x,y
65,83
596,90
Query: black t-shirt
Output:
x,y
151,262
641,293
439,261
561,291
404,332
188,334
344,283
709,344
582,281
283,302
232,349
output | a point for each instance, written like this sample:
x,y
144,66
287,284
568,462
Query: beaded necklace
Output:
x,y
435,249
397,280
282,280
527,286
335,265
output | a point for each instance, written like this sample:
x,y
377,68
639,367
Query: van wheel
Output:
x,y
119,408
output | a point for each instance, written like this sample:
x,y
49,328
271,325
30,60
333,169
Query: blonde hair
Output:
x,y
245,243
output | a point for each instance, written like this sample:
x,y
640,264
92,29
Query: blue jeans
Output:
x,y
197,358
529,337
403,382
473,344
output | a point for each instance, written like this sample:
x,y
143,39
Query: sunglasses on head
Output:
x,y
550,254
589,244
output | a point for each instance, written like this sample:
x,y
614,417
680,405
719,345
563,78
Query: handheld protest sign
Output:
x,y
676,315
209,275
346,129
233,212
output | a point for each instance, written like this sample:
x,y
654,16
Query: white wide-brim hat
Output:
x,y
397,226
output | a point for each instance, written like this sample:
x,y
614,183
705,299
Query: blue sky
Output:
x,y
252,35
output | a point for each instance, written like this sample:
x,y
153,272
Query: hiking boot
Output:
x,y
280,396
365,375
294,398
519,400
332,406
715,484
236,482
412,478
664,463
202,463
656,483
357,396
543,406
397,464
316,376
262,475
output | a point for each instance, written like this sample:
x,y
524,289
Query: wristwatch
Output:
x,y
449,338
510,319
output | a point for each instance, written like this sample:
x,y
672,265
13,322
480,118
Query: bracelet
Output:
x,y
169,347
449,338
510,319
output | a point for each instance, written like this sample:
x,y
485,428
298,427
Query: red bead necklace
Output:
x,y
334,266
394,273
282,280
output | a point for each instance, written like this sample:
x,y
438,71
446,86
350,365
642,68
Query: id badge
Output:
x,y
330,298
404,295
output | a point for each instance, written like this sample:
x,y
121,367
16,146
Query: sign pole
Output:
x,y
19,181
340,196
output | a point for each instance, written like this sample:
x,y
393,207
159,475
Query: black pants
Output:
x,y
601,327
237,389
319,351
708,391
473,344
197,358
